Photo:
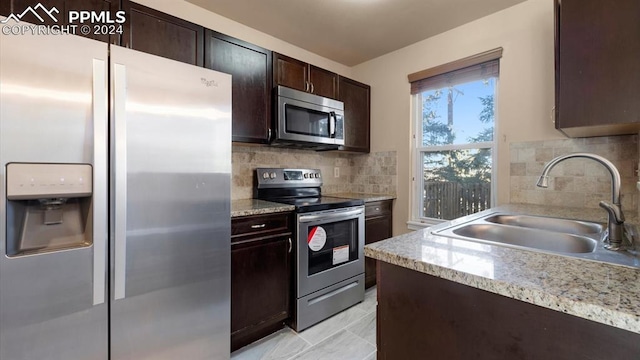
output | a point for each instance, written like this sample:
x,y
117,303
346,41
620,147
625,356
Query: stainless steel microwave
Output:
x,y
308,121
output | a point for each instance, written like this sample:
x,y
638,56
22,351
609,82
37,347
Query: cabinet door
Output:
x,y
289,72
597,63
64,6
250,67
376,229
323,82
259,285
356,97
164,35
378,226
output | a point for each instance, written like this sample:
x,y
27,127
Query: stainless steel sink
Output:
x,y
526,237
546,223
573,238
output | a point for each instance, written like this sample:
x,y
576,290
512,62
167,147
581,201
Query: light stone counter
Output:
x,y
602,292
364,197
246,207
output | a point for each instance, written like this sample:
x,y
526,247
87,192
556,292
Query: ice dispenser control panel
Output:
x,y
36,181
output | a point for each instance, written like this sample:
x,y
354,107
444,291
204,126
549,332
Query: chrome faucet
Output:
x,y
614,209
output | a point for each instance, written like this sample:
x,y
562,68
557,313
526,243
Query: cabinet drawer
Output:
x,y
377,208
260,225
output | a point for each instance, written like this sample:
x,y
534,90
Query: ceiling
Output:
x,y
353,31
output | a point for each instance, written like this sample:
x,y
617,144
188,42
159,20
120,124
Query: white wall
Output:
x,y
210,20
525,89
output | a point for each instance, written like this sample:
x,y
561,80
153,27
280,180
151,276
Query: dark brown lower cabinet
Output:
x,y
260,276
425,317
378,225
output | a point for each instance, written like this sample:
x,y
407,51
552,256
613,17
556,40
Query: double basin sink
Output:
x,y
575,238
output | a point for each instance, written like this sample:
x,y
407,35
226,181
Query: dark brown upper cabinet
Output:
x,y
108,34
301,76
356,97
597,67
157,33
250,67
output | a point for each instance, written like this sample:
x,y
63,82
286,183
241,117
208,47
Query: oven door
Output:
x,y
330,248
303,122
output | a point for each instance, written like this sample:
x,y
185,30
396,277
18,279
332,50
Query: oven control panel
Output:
x,y
279,177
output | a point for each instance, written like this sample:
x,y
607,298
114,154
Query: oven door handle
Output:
x,y
332,216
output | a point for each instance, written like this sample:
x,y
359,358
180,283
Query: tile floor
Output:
x,y
349,335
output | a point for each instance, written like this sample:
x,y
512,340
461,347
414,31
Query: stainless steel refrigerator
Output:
x,y
115,203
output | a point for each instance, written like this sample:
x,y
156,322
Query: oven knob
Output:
x,y
272,175
306,175
265,175
316,175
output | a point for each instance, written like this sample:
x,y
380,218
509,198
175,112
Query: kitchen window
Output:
x,y
454,148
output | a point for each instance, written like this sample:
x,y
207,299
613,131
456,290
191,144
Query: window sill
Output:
x,y
422,223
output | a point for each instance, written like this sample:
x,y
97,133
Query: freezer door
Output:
x,y
170,235
53,109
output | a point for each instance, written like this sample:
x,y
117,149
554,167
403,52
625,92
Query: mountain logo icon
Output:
x,y
34,12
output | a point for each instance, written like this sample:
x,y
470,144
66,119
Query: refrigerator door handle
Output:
x,y
120,218
100,111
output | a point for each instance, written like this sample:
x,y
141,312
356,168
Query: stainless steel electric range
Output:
x,y
329,246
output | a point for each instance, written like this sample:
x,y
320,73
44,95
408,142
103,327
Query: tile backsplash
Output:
x,y
373,173
574,182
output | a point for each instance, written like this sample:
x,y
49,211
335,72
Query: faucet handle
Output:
x,y
614,210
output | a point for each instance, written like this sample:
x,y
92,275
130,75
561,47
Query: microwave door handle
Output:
x,y
332,124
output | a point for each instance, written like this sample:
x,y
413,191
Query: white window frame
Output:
x,y
417,221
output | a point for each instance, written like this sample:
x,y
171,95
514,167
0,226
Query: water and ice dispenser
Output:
x,y
48,207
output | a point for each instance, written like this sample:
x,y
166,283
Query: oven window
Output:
x,y
306,122
332,244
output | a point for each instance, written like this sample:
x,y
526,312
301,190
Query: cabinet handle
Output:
x,y
306,86
312,87
290,245
258,226
553,115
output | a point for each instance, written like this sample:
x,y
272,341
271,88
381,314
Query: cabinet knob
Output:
x,y
260,226
377,209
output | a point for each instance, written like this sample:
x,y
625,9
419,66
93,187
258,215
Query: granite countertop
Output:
x,y
602,292
246,207
365,197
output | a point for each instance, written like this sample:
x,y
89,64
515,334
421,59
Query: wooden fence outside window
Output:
x,y
450,200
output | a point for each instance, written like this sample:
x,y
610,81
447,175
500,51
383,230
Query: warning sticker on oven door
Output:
x,y
340,254
317,238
